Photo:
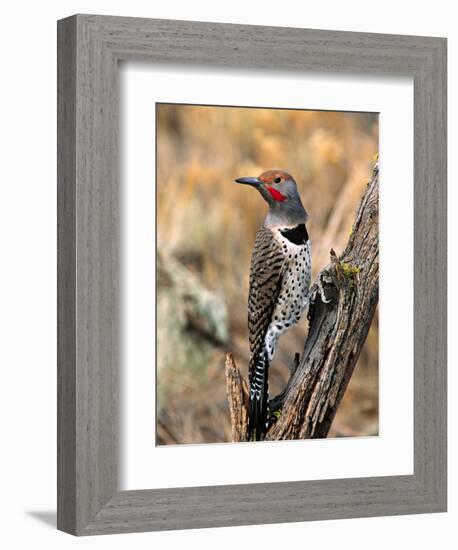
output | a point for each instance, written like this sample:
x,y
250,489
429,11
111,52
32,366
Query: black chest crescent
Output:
x,y
297,235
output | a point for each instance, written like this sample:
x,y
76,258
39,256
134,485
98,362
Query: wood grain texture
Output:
x,y
237,396
66,275
90,48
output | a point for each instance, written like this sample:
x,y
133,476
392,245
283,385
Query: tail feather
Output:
x,y
258,410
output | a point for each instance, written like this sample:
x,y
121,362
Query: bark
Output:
x,y
337,332
237,392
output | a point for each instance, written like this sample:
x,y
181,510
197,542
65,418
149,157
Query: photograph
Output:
x,y
250,203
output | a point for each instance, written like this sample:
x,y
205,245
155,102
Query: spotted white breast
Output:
x,y
293,295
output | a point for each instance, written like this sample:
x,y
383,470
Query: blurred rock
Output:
x,y
192,322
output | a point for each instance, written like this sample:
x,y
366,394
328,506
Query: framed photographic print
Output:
x,y
251,274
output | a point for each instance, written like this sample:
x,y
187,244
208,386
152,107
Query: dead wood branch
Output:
x,y
237,394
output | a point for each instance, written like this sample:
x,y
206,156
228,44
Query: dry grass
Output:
x,y
209,224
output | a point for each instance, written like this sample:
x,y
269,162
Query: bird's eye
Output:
x,y
277,180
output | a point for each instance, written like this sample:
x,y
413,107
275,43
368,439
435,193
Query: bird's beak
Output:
x,y
255,182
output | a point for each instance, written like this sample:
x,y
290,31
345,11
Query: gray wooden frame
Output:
x,y
89,48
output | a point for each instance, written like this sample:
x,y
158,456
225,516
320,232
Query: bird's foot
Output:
x,y
320,289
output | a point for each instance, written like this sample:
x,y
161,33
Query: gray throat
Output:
x,y
286,214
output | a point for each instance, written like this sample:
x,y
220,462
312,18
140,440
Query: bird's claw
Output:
x,y
322,294
318,289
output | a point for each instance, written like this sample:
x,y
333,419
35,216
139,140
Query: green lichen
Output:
x,y
350,272
277,413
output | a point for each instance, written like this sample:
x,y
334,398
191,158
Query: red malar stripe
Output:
x,y
276,195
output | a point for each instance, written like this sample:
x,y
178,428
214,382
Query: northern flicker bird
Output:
x,y
279,283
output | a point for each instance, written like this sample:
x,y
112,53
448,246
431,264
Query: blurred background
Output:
x,y
206,227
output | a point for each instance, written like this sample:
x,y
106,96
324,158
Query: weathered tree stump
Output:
x,y
337,332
